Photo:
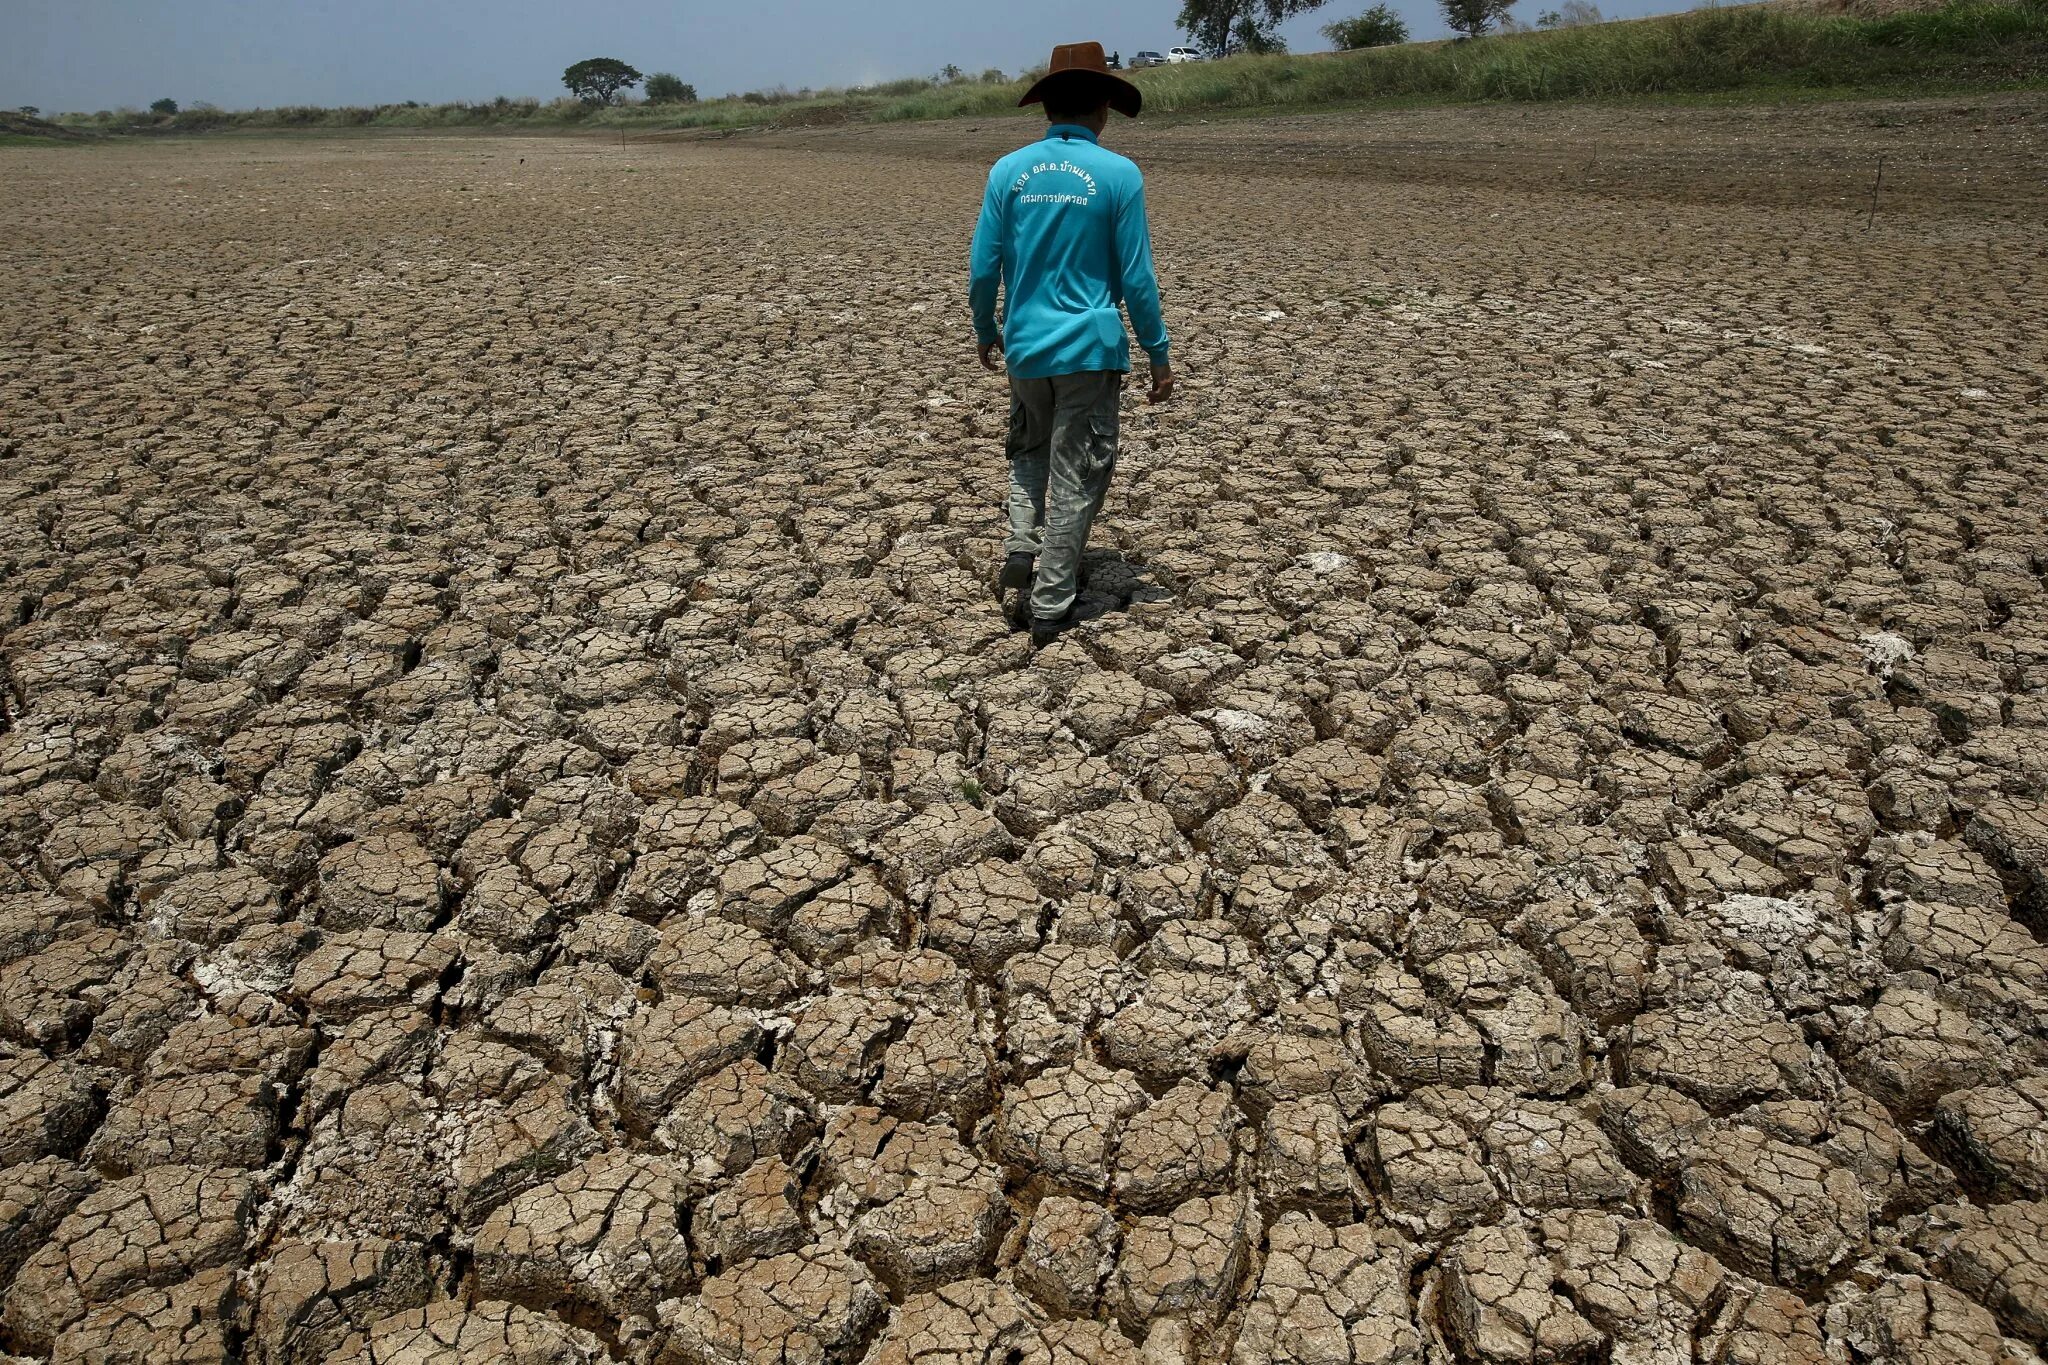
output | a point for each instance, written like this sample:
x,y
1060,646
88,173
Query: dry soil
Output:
x,y
528,835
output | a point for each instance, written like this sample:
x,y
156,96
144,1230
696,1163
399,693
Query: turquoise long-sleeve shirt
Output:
x,y
1063,234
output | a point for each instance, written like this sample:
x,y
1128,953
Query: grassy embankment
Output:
x,y
26,130
1765,50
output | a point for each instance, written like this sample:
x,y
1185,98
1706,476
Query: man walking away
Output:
x,y
1063,234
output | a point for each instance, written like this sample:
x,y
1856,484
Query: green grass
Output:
x,y
1761,51
1977,41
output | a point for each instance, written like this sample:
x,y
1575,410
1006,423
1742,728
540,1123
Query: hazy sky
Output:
x,y
62,55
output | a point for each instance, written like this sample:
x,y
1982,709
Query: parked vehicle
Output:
x,y
1176,55
1144,59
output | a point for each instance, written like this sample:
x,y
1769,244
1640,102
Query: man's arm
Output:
x,y
985,272
1141,287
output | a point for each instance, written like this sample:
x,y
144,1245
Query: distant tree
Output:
x,y
1573,13
31,110
993,76
1471,18
951,73
1221,27
164,107
1377,27
598,80
664,88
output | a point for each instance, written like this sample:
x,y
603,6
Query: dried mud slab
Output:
x,y
526,833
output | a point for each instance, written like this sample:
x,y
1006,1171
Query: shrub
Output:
x,y
1377,27
201,118
909,85
666,88
970,98
1471,18
164,108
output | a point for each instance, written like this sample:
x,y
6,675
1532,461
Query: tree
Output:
x,y
951,73
664,88
598,80
1471,18
164,107
1573,13
1221,27
30,110
1258,41
1377,27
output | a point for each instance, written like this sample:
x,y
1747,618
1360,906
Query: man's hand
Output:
x,y
1162,384
989,351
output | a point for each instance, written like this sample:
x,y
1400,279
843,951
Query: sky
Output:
x,y
85,55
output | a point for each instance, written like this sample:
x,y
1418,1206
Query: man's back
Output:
x,y
1063,229
1062,233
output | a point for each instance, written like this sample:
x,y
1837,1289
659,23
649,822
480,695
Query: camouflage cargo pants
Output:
x,y
1062,449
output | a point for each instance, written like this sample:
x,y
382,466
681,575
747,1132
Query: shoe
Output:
x,y
1017,571
1046,629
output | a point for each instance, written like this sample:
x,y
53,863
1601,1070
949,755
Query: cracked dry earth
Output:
x,y
528,837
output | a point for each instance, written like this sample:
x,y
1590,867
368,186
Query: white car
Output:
x,y
1176,55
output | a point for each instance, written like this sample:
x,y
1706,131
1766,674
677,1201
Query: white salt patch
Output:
x,y
1766,921
1976,393
1236,722
229,975
1886,651
1324,561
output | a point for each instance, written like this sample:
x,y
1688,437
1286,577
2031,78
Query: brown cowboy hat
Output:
x,y
1074,63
